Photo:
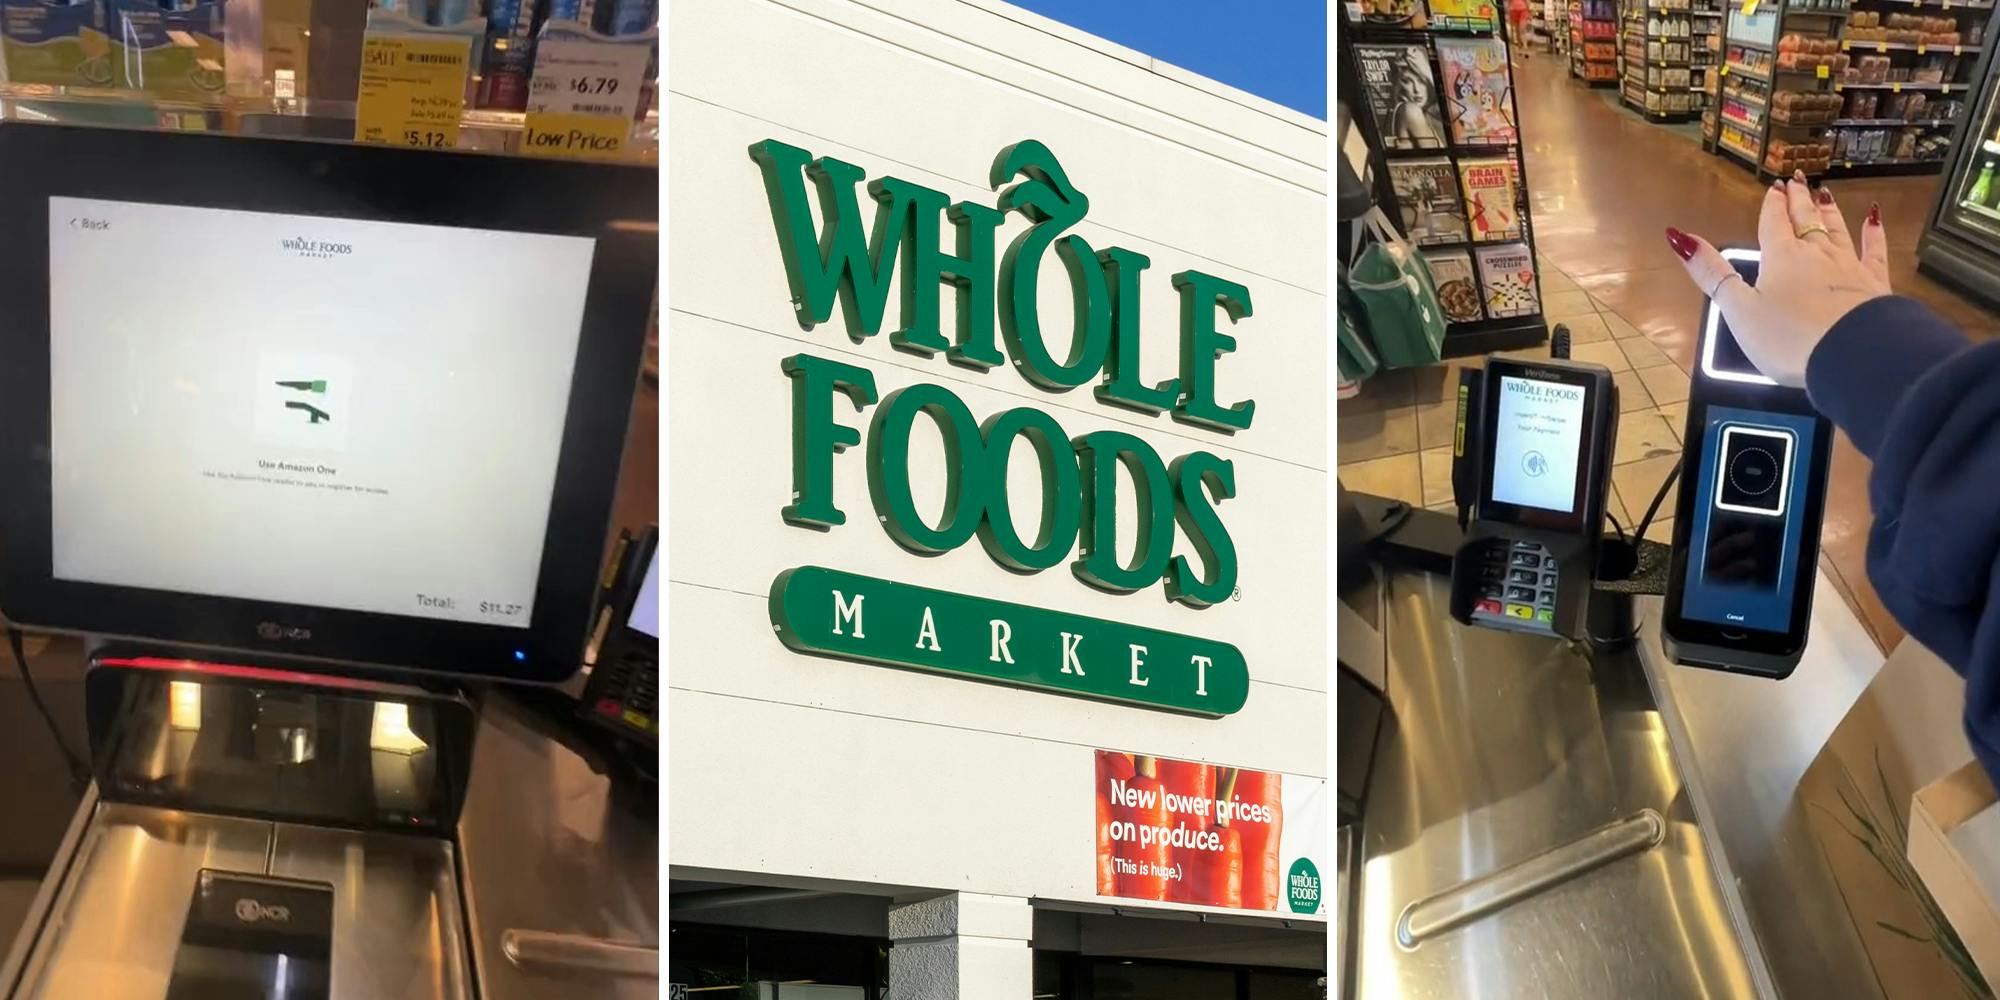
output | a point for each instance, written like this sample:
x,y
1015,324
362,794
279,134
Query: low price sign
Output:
x,y
1188,832
584,94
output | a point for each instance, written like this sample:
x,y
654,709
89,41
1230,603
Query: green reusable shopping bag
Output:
x,y
1399,301
1356,357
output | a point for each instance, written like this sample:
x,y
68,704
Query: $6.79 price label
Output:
x,y
412,90
583,97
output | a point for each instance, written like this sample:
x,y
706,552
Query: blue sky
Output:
x,y
1275,49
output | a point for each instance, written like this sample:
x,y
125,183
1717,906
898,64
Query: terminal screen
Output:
x,y
1538,443
645,616
325,412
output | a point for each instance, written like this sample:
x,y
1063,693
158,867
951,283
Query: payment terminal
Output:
x,y
1746,527
1535,442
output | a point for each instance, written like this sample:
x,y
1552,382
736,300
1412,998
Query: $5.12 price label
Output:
x,y
412,90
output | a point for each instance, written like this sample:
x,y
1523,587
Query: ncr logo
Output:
x,y
300,246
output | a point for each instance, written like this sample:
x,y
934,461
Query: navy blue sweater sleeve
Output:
x,y
1924,405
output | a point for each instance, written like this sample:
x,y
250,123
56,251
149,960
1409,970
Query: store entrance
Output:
x,y
1060,976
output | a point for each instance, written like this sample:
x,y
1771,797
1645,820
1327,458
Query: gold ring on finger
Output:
x,y
1806,230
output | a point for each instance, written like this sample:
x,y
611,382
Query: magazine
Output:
x,y
1491,209
1478,91
1451,272
1427,198
1508,272
1402,94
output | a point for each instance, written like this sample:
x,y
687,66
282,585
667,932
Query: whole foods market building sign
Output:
x,y
846,260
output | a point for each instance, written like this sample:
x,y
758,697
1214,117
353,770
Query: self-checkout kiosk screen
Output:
x,y
1538,443
315,411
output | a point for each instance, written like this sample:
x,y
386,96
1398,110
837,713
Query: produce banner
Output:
x,y
1209,835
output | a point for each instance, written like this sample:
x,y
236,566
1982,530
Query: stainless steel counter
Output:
x,y
1542,825
552,886
114,926
1505,747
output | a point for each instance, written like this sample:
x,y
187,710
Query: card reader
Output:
x,y
1534,452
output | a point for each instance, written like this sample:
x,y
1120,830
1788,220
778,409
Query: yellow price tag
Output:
x,y
1749,7
575,136
1844,45
1957,50
1822,72
412,90
1881,46
1847,164
1920,48
1724,71
1895,88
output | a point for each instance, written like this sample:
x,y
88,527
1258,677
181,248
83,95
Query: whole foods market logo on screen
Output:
x,y
1181,543
301,246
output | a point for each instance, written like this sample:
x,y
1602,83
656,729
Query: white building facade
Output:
x,y
956,525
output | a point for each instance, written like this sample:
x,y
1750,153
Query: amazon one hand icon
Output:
x,y
1534,464
313,413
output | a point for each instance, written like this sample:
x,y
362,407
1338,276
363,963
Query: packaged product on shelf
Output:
x,y
510,52
173,54
1427,196
1478,91
1410,13
1402,95
632,17
56,43
1458,293
1477,14
1508,272
1490,197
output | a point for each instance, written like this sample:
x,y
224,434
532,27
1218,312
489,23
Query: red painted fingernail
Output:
x,y
1874,214
1683,244
1824,196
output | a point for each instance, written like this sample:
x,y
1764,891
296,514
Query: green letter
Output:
x,y
815,437
1048,200
1204,530
1097,559
1062,491
1122,385
837,260
925,266
889,468
1201,344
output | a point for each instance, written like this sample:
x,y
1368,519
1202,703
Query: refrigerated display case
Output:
x,y
1961,244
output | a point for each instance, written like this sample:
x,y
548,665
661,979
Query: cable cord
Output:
x,y
78,773
1654,508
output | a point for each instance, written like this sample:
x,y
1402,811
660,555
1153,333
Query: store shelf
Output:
x,y
1919,48
1933,4
1886,168
1894,123
1943,88
1978,209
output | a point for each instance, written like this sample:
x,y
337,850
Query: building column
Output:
x,y
962,946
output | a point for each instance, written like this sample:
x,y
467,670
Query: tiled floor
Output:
x,y
1604,185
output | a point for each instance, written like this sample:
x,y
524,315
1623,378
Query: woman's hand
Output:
x,y
1809,278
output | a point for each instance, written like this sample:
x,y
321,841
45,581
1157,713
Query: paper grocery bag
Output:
x,y
1955,847
1902,733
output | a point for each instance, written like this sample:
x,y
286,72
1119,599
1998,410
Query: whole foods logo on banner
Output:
x,y
1187,832
840,260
